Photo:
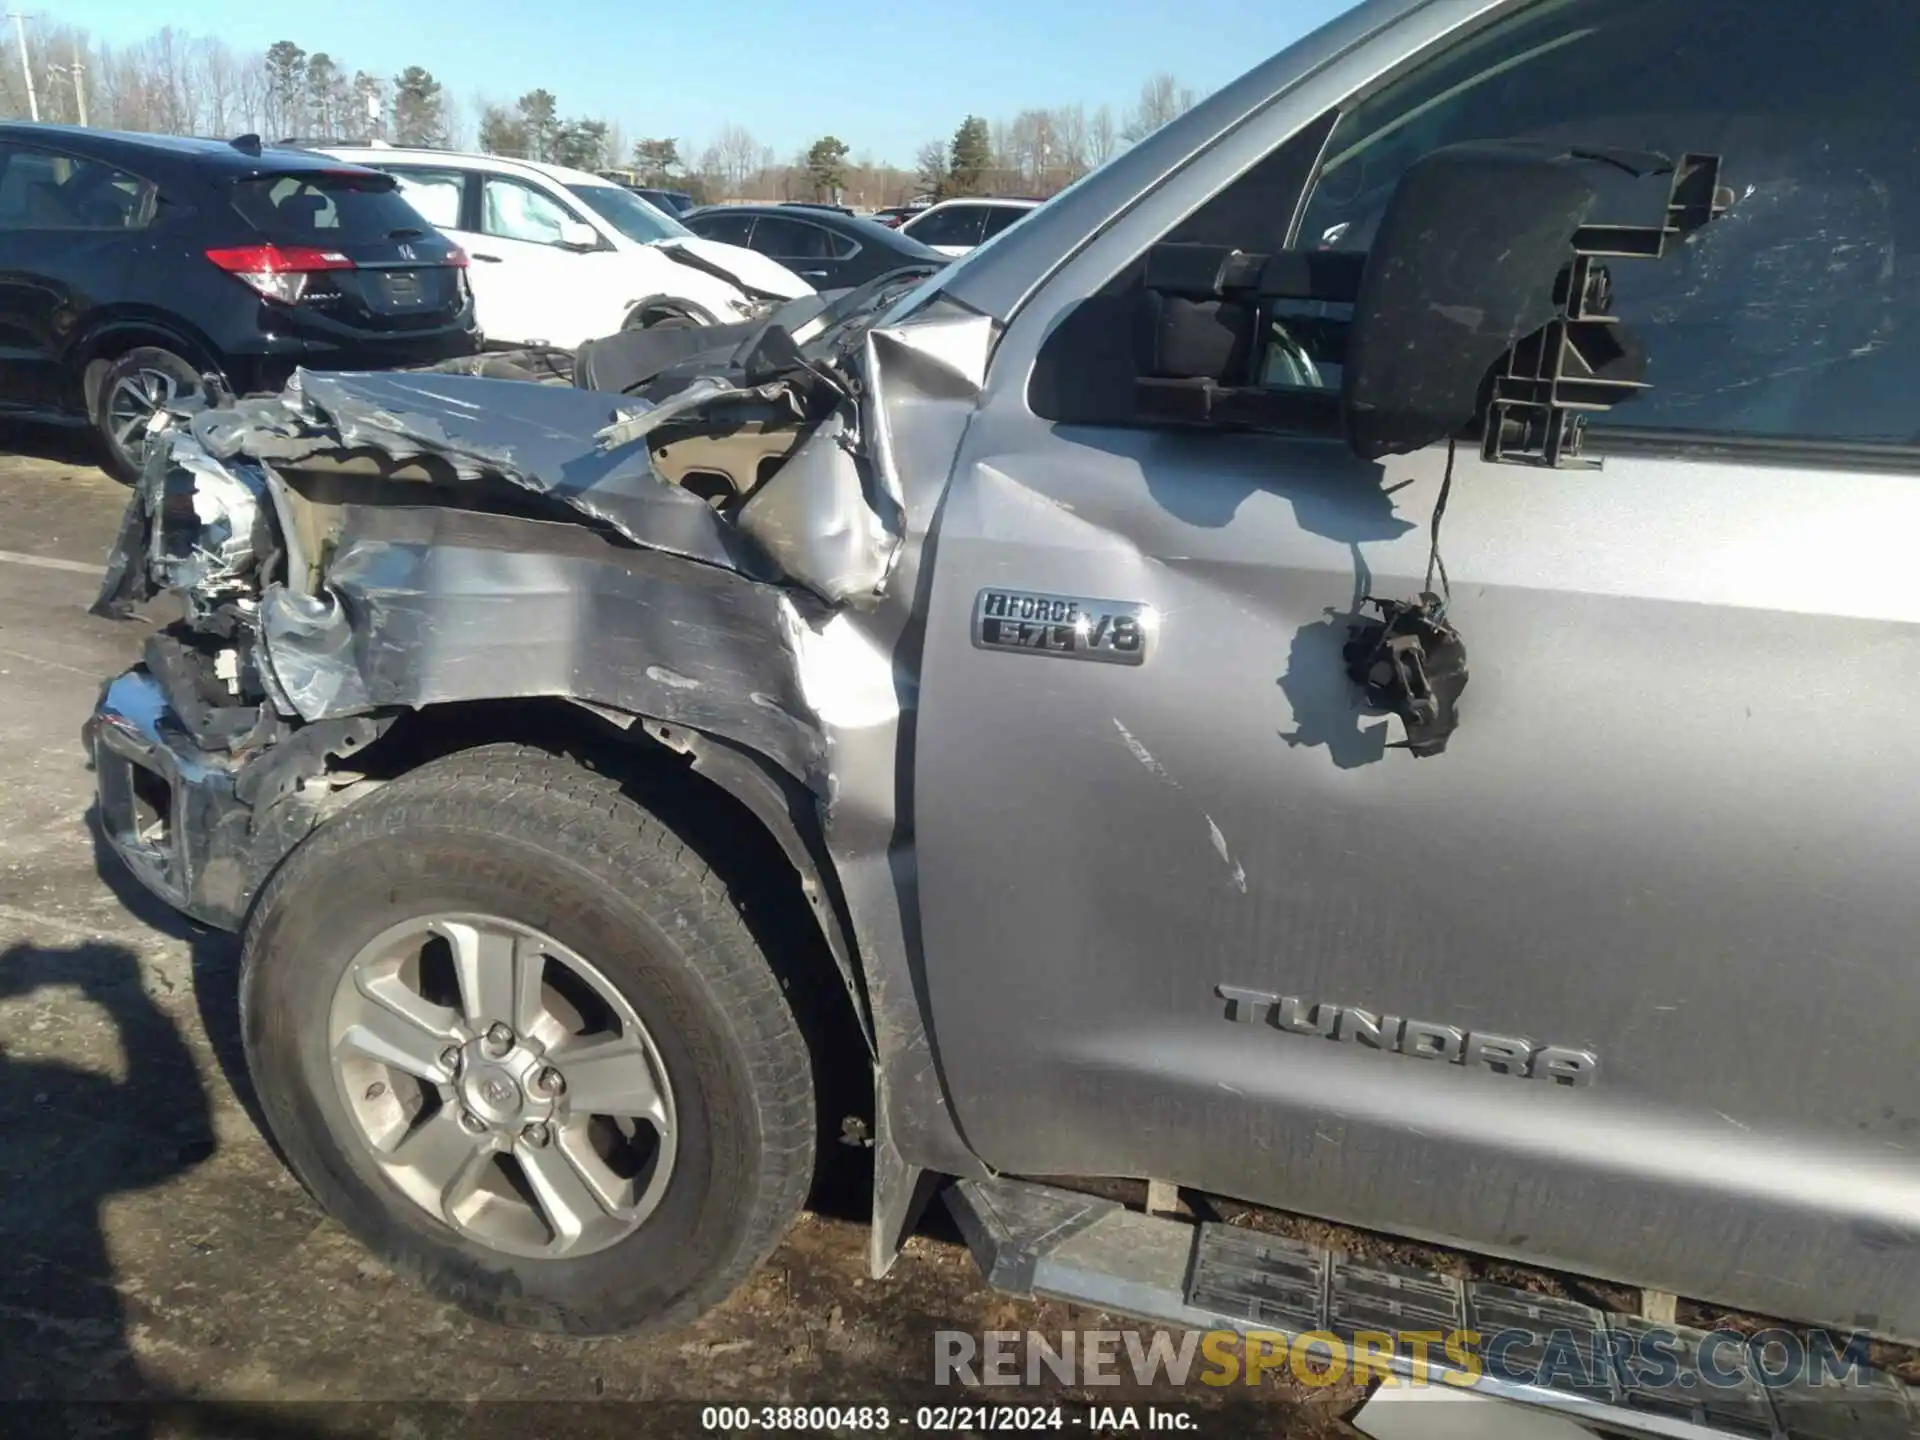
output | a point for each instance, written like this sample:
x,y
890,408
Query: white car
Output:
x,y
561,256
953,227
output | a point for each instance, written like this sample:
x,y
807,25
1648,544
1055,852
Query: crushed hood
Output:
x,y
754,273
810,523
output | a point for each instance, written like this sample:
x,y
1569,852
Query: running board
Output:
x,y
1034,1240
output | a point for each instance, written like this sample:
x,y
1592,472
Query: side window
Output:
x,y
1002,217
1087,366
957,225
1795,316
515,210
728,229
787,239
45,190
436,194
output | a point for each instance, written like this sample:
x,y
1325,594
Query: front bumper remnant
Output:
x,y
200,827
167,807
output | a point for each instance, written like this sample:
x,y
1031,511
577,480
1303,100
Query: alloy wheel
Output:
x,y
502,1084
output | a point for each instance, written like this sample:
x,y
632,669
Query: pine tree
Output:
x,y
827,167
419,109
972,157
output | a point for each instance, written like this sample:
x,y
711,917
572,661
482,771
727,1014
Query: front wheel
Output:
x,y
517,1039
135,388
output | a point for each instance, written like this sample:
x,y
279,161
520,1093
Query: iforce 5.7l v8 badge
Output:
x,y
1066,627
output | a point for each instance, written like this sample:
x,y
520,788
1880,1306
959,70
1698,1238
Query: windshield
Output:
x,y
630,215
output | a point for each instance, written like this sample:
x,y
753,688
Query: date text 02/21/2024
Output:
x,y
947,1419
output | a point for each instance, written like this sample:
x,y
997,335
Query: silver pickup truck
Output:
x,y
1351,662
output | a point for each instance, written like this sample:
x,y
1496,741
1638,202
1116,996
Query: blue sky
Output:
x,y
883,77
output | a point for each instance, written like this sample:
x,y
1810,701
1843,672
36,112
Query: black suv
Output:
x,y
131,265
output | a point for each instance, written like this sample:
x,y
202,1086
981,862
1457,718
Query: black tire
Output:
x,y
529,837
149,370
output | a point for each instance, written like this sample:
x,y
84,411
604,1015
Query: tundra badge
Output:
x,y
1067,627
1420,1039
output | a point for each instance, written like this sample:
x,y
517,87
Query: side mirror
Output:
x,y
1482,303
578,235
1480,298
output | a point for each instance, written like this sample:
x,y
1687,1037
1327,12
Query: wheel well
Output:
x,y
100,351
739,848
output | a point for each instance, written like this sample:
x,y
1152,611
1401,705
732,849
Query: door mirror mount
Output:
x,y
1482,305
1482,310
578,235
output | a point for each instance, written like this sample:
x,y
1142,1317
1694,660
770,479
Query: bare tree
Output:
x,y
738,154
167,58
1070,142
1102,136
218,88
250,96
1161,99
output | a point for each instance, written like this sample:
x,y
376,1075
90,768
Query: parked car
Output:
x,y
893,216
132,265
674,202
954,227
561,256
817,205
1602,966
825,247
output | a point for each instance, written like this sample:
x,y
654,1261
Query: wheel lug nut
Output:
x,y
499,1038
536,1135
472,1123
450,1059
550,1081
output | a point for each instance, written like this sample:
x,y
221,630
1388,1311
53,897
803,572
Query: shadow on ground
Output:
x,y
215,959
62,444
72,1137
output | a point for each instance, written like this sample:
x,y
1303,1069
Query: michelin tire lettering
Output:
x,y
1417,1039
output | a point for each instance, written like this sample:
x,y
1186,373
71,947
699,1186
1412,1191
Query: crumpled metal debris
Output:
x,y
428,605
540,437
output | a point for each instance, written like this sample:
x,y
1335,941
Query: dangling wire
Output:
x,y
1434,562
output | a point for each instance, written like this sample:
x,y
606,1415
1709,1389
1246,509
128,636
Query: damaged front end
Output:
x,y
363,546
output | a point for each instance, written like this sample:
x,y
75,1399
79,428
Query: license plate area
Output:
x,y
399,290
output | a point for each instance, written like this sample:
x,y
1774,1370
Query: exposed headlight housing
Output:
x,y
208,523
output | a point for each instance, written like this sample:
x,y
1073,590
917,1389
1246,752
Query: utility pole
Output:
x,y
26,65
77,72
76,76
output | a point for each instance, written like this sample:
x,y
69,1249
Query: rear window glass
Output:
x,y
318,207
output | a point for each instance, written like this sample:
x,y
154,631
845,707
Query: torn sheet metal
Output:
x,y
637,419
816,520
540,437
425,606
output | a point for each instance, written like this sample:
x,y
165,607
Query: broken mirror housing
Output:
x,y
1480,310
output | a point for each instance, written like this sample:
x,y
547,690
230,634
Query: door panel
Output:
x,y
70,228
528,288
1673,830
1676,826
810,251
